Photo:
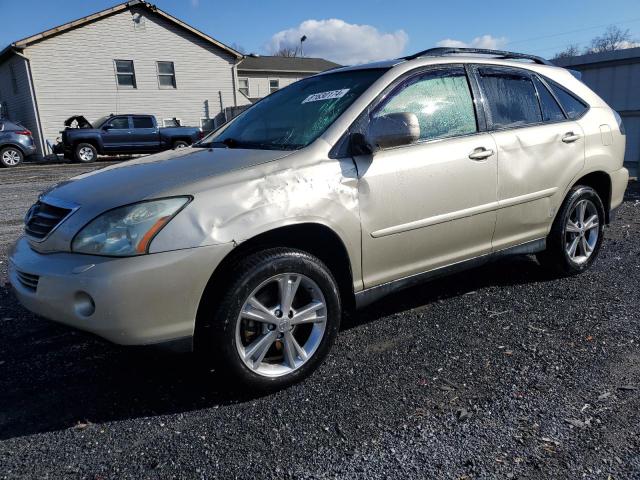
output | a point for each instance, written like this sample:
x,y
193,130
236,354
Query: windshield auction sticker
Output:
x,y
316,97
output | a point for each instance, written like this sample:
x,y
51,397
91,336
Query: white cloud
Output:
x,y
484,41
342,42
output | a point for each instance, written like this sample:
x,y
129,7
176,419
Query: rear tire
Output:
x,y
86,153
11,157
577,233
180,144
252,309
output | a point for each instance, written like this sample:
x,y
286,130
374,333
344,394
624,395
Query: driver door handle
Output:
x,y
481,154
570,137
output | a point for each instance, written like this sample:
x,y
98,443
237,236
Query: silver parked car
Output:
x,y
16,143
324,196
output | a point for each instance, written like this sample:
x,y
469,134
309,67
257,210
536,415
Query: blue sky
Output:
x,y
349,30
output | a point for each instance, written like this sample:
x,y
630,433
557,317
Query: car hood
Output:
x,y
81,121
150,176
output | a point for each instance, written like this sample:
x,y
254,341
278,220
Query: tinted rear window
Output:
x,y
511,98
571,104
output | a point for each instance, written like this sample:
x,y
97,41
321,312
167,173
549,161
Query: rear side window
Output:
x,y
441,100
571,104
551,111
142,122
511,98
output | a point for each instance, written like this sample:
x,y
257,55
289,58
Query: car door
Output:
x,y
116,134
431,203
144,136
539,151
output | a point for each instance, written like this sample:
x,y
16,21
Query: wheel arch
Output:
x,y
91,141
314,238
12,144
600,181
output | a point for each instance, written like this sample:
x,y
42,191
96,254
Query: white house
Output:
x,y
132,58
258,76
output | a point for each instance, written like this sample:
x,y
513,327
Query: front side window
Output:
x,y
142,122
166,75
441,100
511,98
551,111
125,74
571,104
119,123
296,115
274,86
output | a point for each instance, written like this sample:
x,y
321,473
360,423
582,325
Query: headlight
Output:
x,y
127,230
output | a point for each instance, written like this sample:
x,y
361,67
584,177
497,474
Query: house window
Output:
x,y
171,122
125,74
166,75
274,86
243,86
14,80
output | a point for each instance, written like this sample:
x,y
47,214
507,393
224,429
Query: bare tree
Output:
x,y
287,52
572,50
614,38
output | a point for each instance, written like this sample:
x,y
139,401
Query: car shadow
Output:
x,y
53,377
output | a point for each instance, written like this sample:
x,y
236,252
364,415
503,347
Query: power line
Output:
x,y
572,31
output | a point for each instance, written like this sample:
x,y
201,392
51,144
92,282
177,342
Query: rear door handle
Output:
x,y
481,154
570,137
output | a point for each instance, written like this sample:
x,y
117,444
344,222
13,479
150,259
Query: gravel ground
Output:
x,y
500,372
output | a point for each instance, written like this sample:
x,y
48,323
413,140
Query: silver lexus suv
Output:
x,y
326,196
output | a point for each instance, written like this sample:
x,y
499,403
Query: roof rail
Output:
x,y
443,51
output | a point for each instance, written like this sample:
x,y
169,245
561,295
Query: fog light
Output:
x,y
84,304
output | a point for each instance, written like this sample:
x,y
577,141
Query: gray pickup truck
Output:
x,y
83,141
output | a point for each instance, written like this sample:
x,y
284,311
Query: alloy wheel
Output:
x,y
281,324
11,157
582,231
85,154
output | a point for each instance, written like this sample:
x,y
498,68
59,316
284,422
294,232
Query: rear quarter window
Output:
x,y
571,103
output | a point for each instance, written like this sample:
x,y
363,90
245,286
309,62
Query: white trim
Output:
x,y
158,75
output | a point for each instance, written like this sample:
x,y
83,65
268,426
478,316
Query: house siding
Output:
x,y
74,72
20,104
259,81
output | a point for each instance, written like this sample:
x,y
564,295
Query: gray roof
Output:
x,y
20,44
285,64
616,56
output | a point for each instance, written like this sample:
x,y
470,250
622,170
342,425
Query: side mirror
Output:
x,y
106,127
393,130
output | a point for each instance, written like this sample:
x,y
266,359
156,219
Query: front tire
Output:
x,y
276,322
86,153
11,157
577,233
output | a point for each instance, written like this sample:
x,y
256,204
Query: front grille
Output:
x,y
28,280
42,218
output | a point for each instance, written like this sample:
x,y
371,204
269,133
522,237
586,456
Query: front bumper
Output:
x,y
140,300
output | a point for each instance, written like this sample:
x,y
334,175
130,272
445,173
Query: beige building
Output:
x,y
258,76
132,58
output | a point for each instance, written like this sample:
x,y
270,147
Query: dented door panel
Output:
x,y
534,165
